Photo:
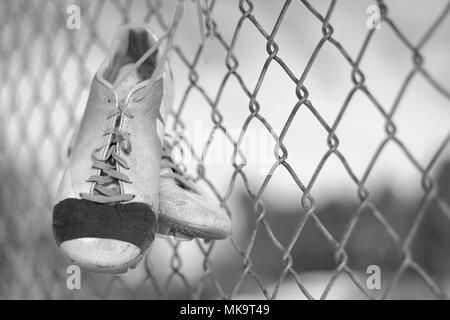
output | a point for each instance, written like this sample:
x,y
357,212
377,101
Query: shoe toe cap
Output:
x,y
96,254
103,238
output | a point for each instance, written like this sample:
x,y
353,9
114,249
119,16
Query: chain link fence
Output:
x,y
45,72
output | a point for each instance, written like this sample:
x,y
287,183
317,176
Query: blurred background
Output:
x,y
323,134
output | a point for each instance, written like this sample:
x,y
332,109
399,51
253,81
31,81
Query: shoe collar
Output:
x,y
119,47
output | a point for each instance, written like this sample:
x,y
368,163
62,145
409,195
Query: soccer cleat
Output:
x,y
106,209
185,212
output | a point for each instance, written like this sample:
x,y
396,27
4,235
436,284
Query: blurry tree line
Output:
x,y
28,254
369,243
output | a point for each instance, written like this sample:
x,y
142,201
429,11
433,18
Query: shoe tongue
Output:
x,y
123,62
128,83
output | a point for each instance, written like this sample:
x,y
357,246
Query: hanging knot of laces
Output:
x,y
107,182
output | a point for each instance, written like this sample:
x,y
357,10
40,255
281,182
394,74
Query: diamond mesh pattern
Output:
x,y
44,80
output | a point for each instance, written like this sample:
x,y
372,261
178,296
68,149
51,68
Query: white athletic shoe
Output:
x,y
106,209
185,211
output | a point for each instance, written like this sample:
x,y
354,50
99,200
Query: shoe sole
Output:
x,y
183,232
123,268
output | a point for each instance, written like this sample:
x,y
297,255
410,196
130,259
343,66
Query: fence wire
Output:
x,y
40,107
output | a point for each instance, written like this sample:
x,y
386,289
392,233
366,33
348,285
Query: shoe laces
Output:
x,y
174,170
106,183
202,22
